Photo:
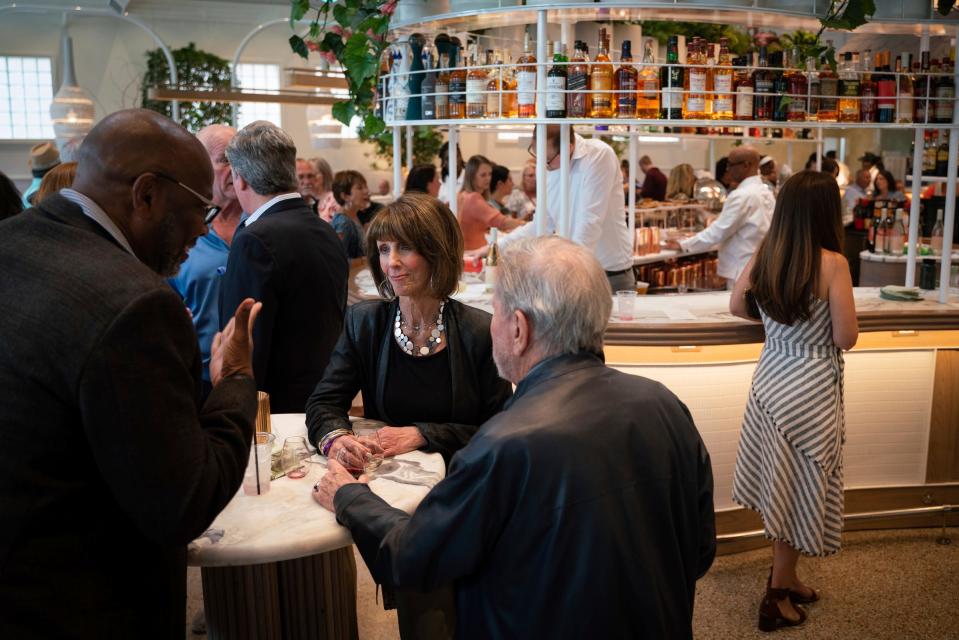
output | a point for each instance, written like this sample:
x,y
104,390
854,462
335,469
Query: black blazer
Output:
x,y
361,362
108,467
295,264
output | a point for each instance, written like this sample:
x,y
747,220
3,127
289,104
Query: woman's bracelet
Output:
x,y
327,441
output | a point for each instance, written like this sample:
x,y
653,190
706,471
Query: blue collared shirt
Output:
x,y
198,283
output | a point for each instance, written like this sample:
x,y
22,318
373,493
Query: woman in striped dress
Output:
x,y
789,464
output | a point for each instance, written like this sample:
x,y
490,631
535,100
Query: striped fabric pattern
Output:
x,y
789,463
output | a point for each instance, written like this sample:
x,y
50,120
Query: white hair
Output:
x,y
561,288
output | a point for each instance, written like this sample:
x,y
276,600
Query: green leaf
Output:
x,y
298,45
332,42
298,9
314,30
945,6
343,15
344,111
373,126
360,65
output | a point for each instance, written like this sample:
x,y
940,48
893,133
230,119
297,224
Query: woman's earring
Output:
x,y
385,289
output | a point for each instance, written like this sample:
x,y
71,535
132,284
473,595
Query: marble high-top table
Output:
x,y
278,565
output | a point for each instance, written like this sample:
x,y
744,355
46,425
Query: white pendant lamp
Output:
x,y
72,109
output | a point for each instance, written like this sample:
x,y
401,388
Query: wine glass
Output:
x,y
371,440
294,453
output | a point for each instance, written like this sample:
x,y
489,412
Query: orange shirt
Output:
x,y
476,216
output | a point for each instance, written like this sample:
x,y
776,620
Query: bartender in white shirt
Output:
x,y
598,218
744,220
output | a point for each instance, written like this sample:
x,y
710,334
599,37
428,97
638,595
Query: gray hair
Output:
x,y
265,157
324,169
562,290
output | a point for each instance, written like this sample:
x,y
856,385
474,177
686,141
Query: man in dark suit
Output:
x,y
109,466
291,261
583,510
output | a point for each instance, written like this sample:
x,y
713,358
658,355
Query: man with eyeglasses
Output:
x,y
744,220
110,464
597,215
198,281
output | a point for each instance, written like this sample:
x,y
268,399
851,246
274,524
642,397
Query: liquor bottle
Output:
x,y
815,90
904,106
828,92
509,87
577,82
762,88
897,234
935,240
946,94
556,84
694,101
873,231
458,89
671,82
886,84
882,238
921,86
496,101
443,88
601,79
781,62
868,90
476,79
492,261
798,89
723,83
942,155
627,83
647,100
526,81
743,84
849,90
929,152
429,84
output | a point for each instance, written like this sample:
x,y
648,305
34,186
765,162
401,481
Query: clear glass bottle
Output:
x,y
849,90
868,90
815,90
671,83
601,79
723,102
556,84
921,86
935,240
627,83
496,101
476,79
526,81
443,88
897,234
904,104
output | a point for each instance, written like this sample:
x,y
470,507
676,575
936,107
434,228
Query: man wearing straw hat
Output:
x,y
43,157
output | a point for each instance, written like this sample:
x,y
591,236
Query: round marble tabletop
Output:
x,y
286,523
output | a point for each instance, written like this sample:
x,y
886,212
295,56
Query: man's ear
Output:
x,y
522,333
143,197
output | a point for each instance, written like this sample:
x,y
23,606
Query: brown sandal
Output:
x,y
796,596
770,616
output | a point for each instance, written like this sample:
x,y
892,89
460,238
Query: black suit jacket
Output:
x,y
361,362
108,467
583,510
294,264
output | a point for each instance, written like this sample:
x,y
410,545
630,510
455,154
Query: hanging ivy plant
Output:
x,y
195,68
426,146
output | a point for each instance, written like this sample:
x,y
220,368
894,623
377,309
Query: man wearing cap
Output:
x,y
873,164
768,173
43,157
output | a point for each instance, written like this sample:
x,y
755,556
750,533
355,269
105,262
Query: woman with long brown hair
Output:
x,y
789,464
474,212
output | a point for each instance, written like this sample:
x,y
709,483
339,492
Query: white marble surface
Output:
x,y
286,522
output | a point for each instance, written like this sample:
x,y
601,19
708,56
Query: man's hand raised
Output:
x,y
232,351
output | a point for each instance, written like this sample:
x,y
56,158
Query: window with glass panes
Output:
x,y
26,90
260,78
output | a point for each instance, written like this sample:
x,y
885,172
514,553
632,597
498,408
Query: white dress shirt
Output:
x,y
253,217
444,194
595,205
739,229
93,211
849,201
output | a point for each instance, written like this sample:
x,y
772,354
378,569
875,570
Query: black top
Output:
x,y
366,215
419,388
364,360
109,466
295,264
583,510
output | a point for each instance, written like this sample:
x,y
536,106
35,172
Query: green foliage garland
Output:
x,y
195,68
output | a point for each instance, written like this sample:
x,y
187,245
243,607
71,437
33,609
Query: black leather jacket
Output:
x,y
361,362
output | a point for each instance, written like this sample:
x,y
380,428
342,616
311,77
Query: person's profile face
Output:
x,y
862,179
305,178
483,175
881,183
182,222
529,179
223,191
501,335
360,195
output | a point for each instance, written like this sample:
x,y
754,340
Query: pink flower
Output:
x,y
312,45
389,8
328,56
337,29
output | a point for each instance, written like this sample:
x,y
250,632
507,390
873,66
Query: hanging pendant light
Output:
x,y
72,109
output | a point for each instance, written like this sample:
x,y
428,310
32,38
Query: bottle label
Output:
x,y
577,81
829,88
849,88
457,91
744,102
697,80
943,108
672,99
723,82
764,85
492,100
526,86
648,88
474,91
442,94
695,103
723,104
905,107
555,99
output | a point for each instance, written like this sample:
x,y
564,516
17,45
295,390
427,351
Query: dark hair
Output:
x,y
445,160
472,166
343,183
11,202
807,219
500,174
828,166
831,154
890,180
430,228
419,177
721,165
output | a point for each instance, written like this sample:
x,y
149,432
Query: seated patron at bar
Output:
x,y
474,212
583,510
110,466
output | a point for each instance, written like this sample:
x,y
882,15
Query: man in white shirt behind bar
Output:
x,y
744,220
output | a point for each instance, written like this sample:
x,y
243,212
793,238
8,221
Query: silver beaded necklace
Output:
x,y
406,343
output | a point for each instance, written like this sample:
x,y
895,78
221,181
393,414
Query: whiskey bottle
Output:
x,y
744,90
694,100
868,90
601,79
476,79
647,100
458,89
671,83
577,82
904,104
798,89
723,83
627,81
849,90
526,81
443,88
556,84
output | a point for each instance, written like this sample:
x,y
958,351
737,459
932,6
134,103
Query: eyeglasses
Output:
x,y
211,209
531,152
